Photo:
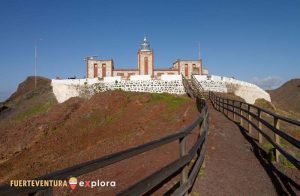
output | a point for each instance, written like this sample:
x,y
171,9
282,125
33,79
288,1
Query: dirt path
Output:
x,y
231,167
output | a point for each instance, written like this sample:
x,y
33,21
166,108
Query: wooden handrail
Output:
x,y
197,84
283,118
284,135
222,104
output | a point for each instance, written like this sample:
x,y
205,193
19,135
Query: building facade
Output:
x,y
97,68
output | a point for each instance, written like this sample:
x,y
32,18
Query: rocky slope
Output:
x,y
287,97
28,101
39,136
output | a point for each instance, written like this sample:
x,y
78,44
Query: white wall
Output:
x,y
165,77
65,89
140,77
249,92
112,79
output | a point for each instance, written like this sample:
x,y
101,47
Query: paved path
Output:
x,y
231,167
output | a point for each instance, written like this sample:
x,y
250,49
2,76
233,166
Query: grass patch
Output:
x,y
195,193
270,149
286,163
172,102
39,109
265,104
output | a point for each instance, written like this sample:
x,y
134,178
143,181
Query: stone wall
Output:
x,y
65,89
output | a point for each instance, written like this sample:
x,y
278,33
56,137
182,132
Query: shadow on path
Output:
x,y
283,184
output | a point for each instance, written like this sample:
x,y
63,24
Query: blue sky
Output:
x,y
250,40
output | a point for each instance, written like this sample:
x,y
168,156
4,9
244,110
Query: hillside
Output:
x,y
287,97
28,101
46,136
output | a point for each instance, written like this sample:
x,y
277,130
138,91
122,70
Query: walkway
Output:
x,y
231,167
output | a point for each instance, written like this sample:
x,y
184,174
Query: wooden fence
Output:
x,y
248,113
194,158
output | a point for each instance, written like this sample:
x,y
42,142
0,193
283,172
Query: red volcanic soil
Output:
x,y
79,130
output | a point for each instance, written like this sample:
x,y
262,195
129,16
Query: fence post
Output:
x,y
241,113
214,101
232,108
233,103
183,152
277,138
260,137
223,106
250,120
227,107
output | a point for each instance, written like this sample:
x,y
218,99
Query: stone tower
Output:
x,y
145,59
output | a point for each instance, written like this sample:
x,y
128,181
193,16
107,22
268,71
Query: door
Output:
x,y
146,65
95,70
103,70
186,70
196,70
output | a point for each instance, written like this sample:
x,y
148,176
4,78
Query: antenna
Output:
x,y
35,60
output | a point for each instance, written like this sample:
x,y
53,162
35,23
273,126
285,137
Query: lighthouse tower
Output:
x,y
145,59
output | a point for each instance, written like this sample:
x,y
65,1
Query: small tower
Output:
x,y
145,59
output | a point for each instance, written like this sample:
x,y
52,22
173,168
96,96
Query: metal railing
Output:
x,y
194,158
249,113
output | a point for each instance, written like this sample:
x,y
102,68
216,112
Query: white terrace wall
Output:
x,y
140,77
65,89
249,92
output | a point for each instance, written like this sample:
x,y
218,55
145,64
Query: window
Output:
x,y
186,70
195,70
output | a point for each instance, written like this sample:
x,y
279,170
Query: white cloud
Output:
x,y
267,83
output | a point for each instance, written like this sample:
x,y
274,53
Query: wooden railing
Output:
x,y
197,85
186,86
248,113
192,87
194,158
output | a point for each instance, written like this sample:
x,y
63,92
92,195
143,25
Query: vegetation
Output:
x,y
270,150
265,104
172,102
36,110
